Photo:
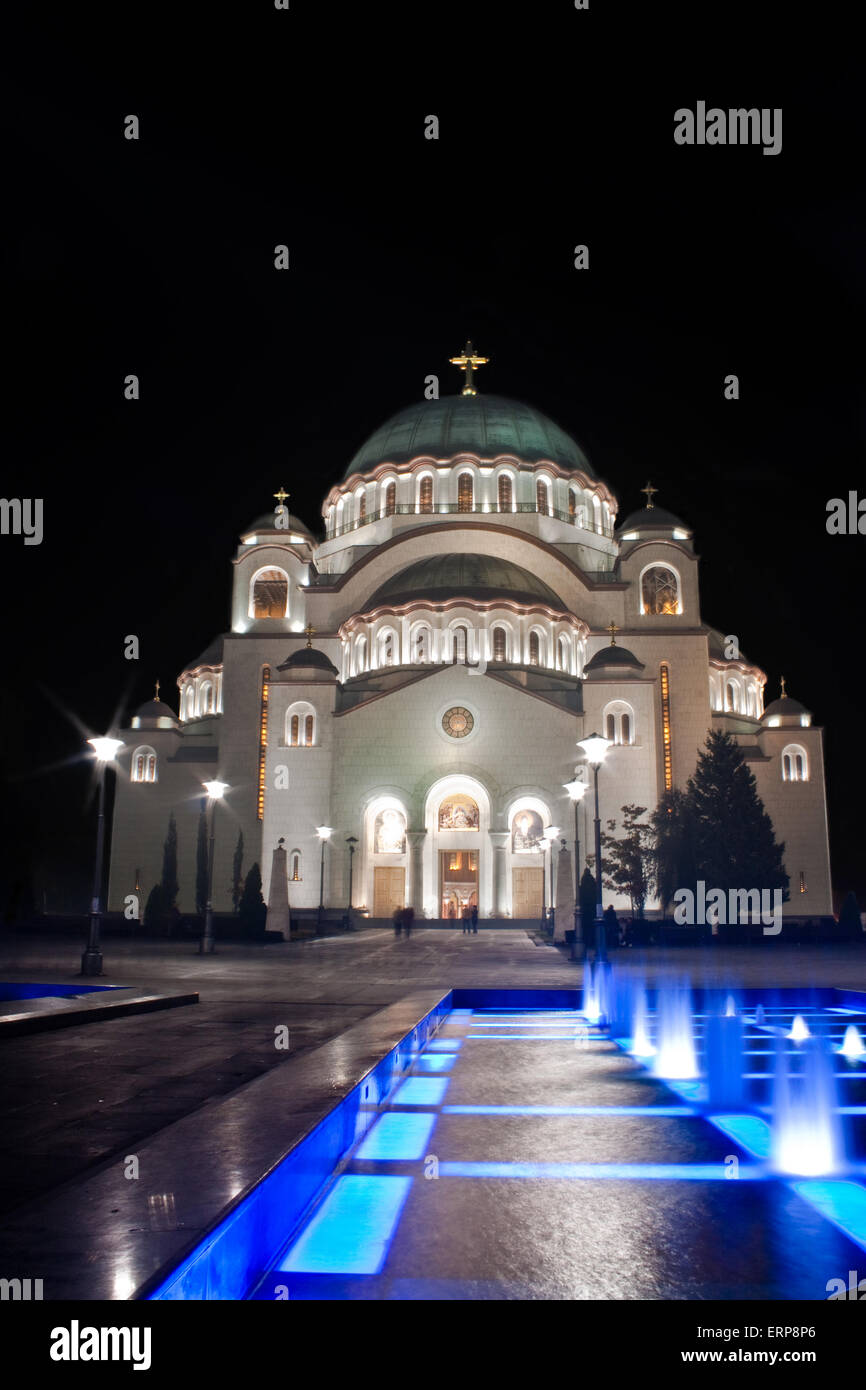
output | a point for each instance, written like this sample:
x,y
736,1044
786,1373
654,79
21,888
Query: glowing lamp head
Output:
x,y
106,749
216,790
595,747
576,789
324,832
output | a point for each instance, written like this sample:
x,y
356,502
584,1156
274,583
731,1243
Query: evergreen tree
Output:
x,y
201,862
627,859
587,904
735,844
252,910
673,845
237,871
155,911
169,881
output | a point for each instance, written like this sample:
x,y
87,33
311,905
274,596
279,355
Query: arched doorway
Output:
x,y
457,859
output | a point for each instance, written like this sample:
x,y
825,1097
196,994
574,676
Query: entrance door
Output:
x,y
527,887
389,890
458,876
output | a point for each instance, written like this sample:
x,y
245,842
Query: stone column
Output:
x,y
278,918
563,918
499,839
416,840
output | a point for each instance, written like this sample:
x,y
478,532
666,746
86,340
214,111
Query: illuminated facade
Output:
x,y
419,677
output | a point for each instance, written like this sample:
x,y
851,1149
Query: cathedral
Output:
x,y
398,705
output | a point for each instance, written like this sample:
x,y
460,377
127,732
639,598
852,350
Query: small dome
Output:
x,y
266,522
483,578
652,518
483,425
310,657
613,659
785,706
154,714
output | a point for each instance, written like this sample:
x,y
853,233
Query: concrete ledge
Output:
x,y
39,1015
164,1234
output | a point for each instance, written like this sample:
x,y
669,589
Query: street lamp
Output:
x,y
550,835
576,790
351,841
105,750
324,833
215,792
595,747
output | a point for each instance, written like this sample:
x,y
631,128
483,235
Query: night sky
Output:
x,y
307,128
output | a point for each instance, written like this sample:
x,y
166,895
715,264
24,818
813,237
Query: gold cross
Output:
x,y
282,495
469,360
784,696
309,630
156,693
649,490
613,630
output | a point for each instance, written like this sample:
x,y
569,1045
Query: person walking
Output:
x,y
475,918
467,926
408,919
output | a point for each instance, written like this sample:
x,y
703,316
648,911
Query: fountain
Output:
x,y
675,1058
760,1016
852,1048
806,1127
641,1045
799,1030
589,1002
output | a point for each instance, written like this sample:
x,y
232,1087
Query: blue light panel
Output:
x,y
843,1203
421,1090
694,1172
353,1228
398,1136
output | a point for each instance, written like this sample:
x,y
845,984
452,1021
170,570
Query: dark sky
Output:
x,y
556,128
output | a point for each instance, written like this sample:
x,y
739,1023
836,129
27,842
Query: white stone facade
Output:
x,y
356,740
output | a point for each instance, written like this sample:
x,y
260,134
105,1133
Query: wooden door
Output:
x,y
389,888
527,892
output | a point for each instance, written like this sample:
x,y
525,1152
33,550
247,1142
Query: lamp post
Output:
x,y
215,792
324,833
576,790
595,747
106,750
550,835
351,841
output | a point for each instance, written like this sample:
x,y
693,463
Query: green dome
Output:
x,y
484,425
483,578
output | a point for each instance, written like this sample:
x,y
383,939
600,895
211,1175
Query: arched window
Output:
x,y
461,643
572,504
390,499
360,657
542,496
795,763
534,649
189,701
660,591
208,701
300,725
421,644
295,863
499,644
270,596
562,653
387,648
362,506
465,492
505,492
619,722
143,765
425,494
732,697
